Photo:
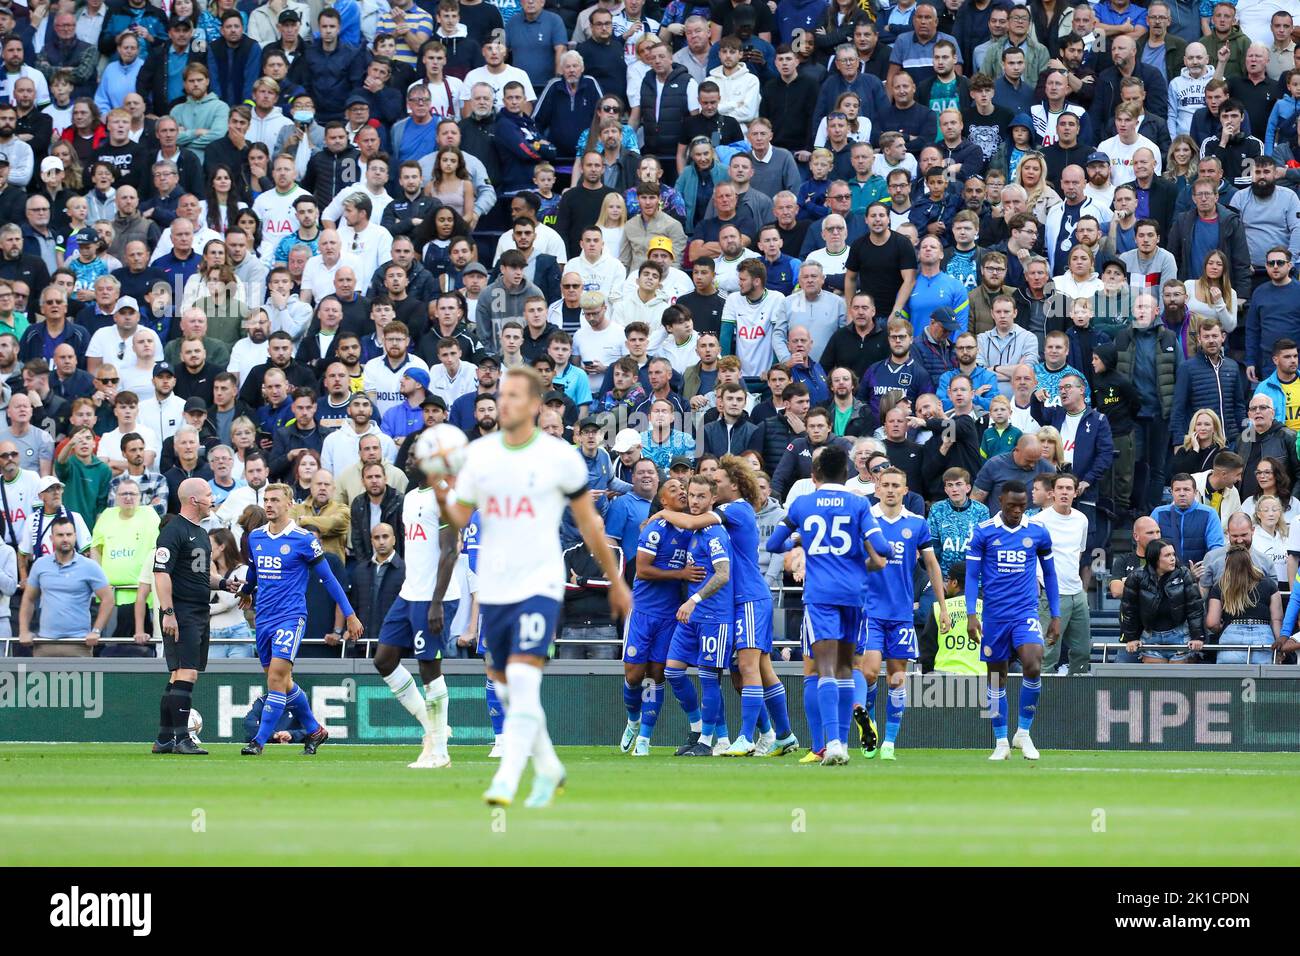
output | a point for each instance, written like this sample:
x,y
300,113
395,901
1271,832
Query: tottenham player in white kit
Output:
x,y
414,624
520,480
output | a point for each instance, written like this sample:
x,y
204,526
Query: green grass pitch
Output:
x,y
113,804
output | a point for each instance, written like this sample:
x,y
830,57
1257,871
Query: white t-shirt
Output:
x,y
342,448
832,264
1069,534
278,219
319,278
753,322
369,249
19,499
605,347
421,519
110,445
386,382
605,275
1121,157
682,356
107,345
498,82
246,355
521,494
443,106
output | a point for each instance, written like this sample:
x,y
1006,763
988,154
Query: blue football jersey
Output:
x,y
670,547
742,525
469,541
1005,562
890,591
282,563
834,525
707,548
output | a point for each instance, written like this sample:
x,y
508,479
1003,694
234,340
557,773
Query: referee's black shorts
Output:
x,y
189,649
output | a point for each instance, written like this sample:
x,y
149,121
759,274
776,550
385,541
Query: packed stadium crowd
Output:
x,y
263,243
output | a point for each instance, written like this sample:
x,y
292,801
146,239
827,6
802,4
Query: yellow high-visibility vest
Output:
x,y
957,653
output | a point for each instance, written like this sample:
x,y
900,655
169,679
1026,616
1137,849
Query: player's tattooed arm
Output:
x,y
717,581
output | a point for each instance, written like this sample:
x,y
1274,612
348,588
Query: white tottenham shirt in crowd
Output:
x,y
521,494
753,323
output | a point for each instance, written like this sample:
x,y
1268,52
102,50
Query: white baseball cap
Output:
x,y
51,162
626,440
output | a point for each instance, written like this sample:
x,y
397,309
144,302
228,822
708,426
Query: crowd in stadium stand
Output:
x,y
974,240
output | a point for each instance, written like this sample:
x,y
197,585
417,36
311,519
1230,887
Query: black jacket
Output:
x,y
399,213
288,439
372,607
770,439
390,513
1232,243
718,440
1159,604
663,131
796,462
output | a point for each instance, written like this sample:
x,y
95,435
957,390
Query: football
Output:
x,y
196,724
440,450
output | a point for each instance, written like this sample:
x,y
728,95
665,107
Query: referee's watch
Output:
x,y
168,612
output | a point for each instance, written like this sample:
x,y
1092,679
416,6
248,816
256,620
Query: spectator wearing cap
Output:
x,y
264,22
114,343
192,416
13,198
164,410
407,416
626,449
934,348
35,541
87,265
487,374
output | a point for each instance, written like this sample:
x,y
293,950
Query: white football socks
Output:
x,y
524,721
436,698
407,691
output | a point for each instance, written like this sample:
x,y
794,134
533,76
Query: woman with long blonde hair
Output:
x,y
1031,176
1205,439
1211,294
1269,542
1247,605
1181,160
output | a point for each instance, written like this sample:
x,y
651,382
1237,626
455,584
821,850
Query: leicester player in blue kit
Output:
x,y
1003,556
841,542
702,638
891,625
280,556
738,495
661,568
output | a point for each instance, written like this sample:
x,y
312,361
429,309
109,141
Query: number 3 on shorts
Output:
x,y
532,631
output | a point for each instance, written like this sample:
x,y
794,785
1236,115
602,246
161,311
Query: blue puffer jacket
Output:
x,y
1192,532
1199,385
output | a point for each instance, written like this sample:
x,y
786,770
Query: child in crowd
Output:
x,y
1001,436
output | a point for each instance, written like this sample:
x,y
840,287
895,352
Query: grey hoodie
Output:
x,y
770,564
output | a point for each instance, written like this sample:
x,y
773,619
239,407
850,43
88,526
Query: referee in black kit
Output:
x,y
183,584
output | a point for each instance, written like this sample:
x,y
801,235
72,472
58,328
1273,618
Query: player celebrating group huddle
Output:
x,y
520,480
891,627
737,496
661,567
1003,554
280,555
841,542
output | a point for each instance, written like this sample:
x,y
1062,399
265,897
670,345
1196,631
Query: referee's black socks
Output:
x,y
181,698
165,715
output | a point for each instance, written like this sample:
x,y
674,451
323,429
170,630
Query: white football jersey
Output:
x,y
19,499
521,494
421,519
